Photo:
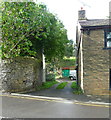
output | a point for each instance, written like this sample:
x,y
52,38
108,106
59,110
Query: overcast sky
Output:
x,y
67,11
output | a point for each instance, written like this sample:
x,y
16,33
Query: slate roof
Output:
x,y
94,22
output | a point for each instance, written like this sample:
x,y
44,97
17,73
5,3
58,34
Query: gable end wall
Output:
x,y
95,63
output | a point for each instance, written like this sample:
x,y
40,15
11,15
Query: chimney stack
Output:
x,y
81,14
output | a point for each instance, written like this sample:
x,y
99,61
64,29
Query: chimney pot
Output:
x,y
81,8
81,14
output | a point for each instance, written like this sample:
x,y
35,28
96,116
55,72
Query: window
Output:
x,y
108,38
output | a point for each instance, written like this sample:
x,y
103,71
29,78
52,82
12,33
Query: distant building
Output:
x,y
66,70
93,38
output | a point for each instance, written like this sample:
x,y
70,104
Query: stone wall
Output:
x,y
95,63
19,74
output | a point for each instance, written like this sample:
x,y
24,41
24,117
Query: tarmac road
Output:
x,y
28,107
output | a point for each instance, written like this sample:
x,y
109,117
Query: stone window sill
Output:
x,y
107,48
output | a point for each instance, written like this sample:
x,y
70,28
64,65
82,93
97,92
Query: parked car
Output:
x,y
72,75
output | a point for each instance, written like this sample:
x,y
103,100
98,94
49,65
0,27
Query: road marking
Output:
x,y
55,98
95,105
32,98
59,100
3,117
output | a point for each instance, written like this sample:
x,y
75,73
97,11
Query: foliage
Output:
x,y
55,66
67,62
77,89
50,77
0,52
78,92
62,85
28,29
68,59
74,85
16,26
47,85
69,50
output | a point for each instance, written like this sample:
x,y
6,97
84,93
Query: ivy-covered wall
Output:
x,y
19,74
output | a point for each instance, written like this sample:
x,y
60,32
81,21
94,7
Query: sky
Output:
x,y
67,11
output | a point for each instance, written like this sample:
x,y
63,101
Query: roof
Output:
x,y
69,68
94,22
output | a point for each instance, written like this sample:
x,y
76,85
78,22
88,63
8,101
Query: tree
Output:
x,y
29,29
69,49
16,26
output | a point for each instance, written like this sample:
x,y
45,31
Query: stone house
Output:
x,y
93,38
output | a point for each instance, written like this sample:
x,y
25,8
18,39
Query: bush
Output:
x,y
50,77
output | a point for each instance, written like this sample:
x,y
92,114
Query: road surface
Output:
x,y
27,107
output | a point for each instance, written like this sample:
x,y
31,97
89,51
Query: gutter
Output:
x,y
84,28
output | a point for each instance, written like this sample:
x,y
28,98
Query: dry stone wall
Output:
x,y
19,74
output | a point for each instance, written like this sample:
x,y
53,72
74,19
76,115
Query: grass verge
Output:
x,y
77,89
47,85
74,85
62,85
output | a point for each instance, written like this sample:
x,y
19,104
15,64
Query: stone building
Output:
x,y
93,38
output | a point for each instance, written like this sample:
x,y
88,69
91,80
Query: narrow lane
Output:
x,y
66,93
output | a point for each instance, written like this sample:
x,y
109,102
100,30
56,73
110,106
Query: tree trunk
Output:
x,y
40,67
41,74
